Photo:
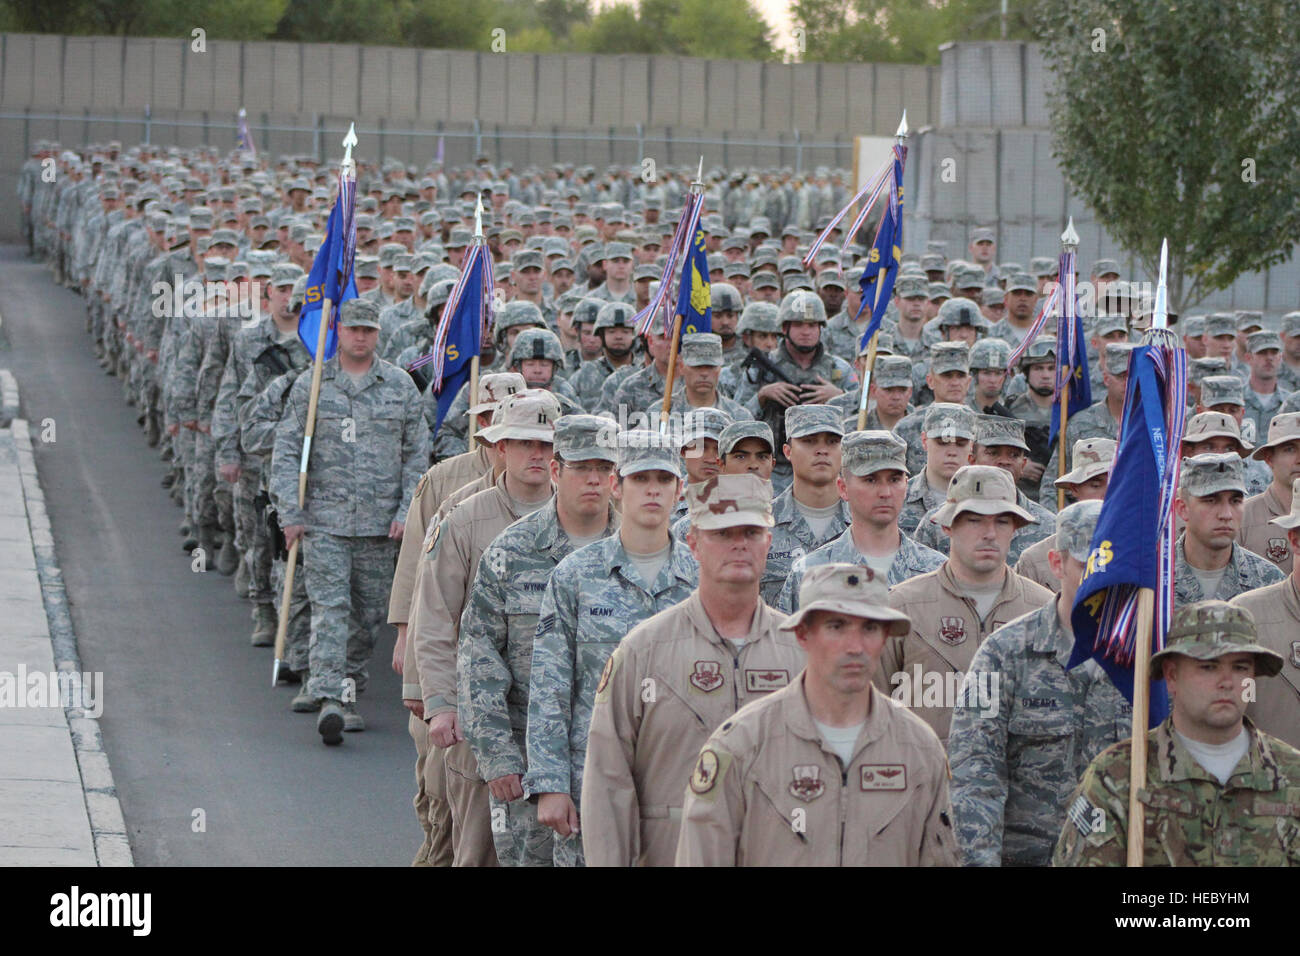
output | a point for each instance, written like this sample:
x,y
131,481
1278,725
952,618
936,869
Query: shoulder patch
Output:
x,y
424,483
432,541
611,668
709,769
1081,814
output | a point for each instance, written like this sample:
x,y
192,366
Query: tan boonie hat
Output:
x,y
867,452
1208,630
494,387
1209,474
528,415
1287,522
981,490
1209,425
586,437
730,501
1283,428
847,589
1090,457
947,421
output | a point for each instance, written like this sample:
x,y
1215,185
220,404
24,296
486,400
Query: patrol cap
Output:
x,y
1040,266
1075,525
892,371
494,387
994,430
586,437
701,348
1199,369
359,313
388,254
948,421
1263,340
829,277
960,311
1287,522
1194,326
367,267
1109,323
459,239
1117,354
981,490
1090,457
1291,324
994,296
949,357
1219,323
643,271
730,501
764,280
222,237
989,354
527,415
1209,425
1208,630
1105,267
798,280
643,449
737,432
618,250
403,262
1022,282
982,234
700,423
847,589
804,420
1209,474
969,279
911,287
526,259
1282,428
867,452
1222,390
939,291
1245,321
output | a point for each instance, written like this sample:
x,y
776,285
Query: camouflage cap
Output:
x,y
760,317
1220,323
990,354
1075,525
1208,630
912,287
1246,320
960,311
947,421
701,348
829,277
1265,339
892,371
1209,474
804,420
527,415
1291,324
764,280
618,250
993,296
388,254
730,501
222,237
1117,355
1108,324
1282,428
1209,425
1040,266
994,430
981,490
586,438
737,432
939,291
1222,390
1199,369
982,234
867,452
701,423
1292,520
949,357
519,312
367,267
526,259
1193,326
644,449
1022,282
494,387
1105,267
847,589
968,279
932,261
1090,457
359,313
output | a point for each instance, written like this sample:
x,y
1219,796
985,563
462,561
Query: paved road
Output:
x,y
190,720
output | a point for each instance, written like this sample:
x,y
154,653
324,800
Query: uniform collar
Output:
x,y
1257,770
372,375
799,718
550,532
950,584
763,621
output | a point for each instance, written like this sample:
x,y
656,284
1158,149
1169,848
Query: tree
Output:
x,y
1178,119
723,29
616,30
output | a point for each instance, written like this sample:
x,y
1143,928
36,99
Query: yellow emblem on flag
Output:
x,y
700,297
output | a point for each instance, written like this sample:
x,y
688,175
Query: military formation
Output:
x,y
712,622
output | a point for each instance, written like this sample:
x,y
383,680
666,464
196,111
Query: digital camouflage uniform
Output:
x,y
910,560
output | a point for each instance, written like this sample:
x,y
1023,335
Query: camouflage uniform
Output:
x,y
912,559
1245,572
792,539
921,499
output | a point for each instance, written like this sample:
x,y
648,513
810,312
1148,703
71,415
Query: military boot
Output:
x,y
152,430
208,542
303,702
168,480
241,578
265,621
353,722
228,556
330,723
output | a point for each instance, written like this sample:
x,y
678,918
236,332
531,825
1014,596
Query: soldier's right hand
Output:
x,y
414,706
556,810
783,393
292,533
173,429
507,788
444,730
399,651
192,426
229,473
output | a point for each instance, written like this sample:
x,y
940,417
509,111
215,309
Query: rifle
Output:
x,y
275,359
759,370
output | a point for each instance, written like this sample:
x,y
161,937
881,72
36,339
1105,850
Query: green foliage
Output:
x,y
615,30
723,29
1152,130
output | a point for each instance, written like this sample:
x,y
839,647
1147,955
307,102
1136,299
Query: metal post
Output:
x,y
478,139
148,123
798,154
316,137
640,142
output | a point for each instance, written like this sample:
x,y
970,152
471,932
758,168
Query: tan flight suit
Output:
x,y
1276,609
669,684
441,588
1033,564
946,632
767,791
1264,539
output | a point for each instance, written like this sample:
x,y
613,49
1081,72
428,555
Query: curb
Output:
x,y
107,826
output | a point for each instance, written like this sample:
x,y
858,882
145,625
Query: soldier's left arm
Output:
x,y
977,750
483,679
415,446
611,812
1095,832
938,843
713,810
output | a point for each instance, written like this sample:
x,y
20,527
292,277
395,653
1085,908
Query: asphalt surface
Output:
x,y
190,720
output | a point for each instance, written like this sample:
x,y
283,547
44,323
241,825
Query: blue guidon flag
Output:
x,y
1071,350
679,246
693,296
883,261
331,273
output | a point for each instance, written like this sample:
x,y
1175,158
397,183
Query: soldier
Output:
x,y
948,379
369,447
826,771
594,597
948,431
642,745
1282,455
1217,787
910,297
810,512
759,332
613,325
1217,433
971,595
725,307
538,356
1086,481
1208,562
494,659
1276,608
699,363
698,435
1226,394
999,442
988,366
1263,393
889,395
1288,376
872,481
1025,727
627,393
746,448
